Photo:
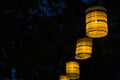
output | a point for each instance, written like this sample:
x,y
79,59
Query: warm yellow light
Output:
x,y
72,70
63,77
96,22
83,48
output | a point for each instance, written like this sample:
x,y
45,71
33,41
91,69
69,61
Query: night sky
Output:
x,y
38,37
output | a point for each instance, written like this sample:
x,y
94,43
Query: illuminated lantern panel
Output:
x,y
96,22
72,70
83,48
63,77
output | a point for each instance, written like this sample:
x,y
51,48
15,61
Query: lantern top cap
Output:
x,y
84,39
64,77
72,62
95,8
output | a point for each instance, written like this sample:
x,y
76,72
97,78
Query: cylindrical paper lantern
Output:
x,y
96,22
83,48
72,70
63,77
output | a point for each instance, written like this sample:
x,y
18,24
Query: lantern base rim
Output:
x,y
83,56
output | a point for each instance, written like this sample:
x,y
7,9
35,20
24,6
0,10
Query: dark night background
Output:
x,y
37,38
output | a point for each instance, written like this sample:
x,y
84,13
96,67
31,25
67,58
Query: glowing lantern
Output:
x,y
63,77
72,70
96,22
83,48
